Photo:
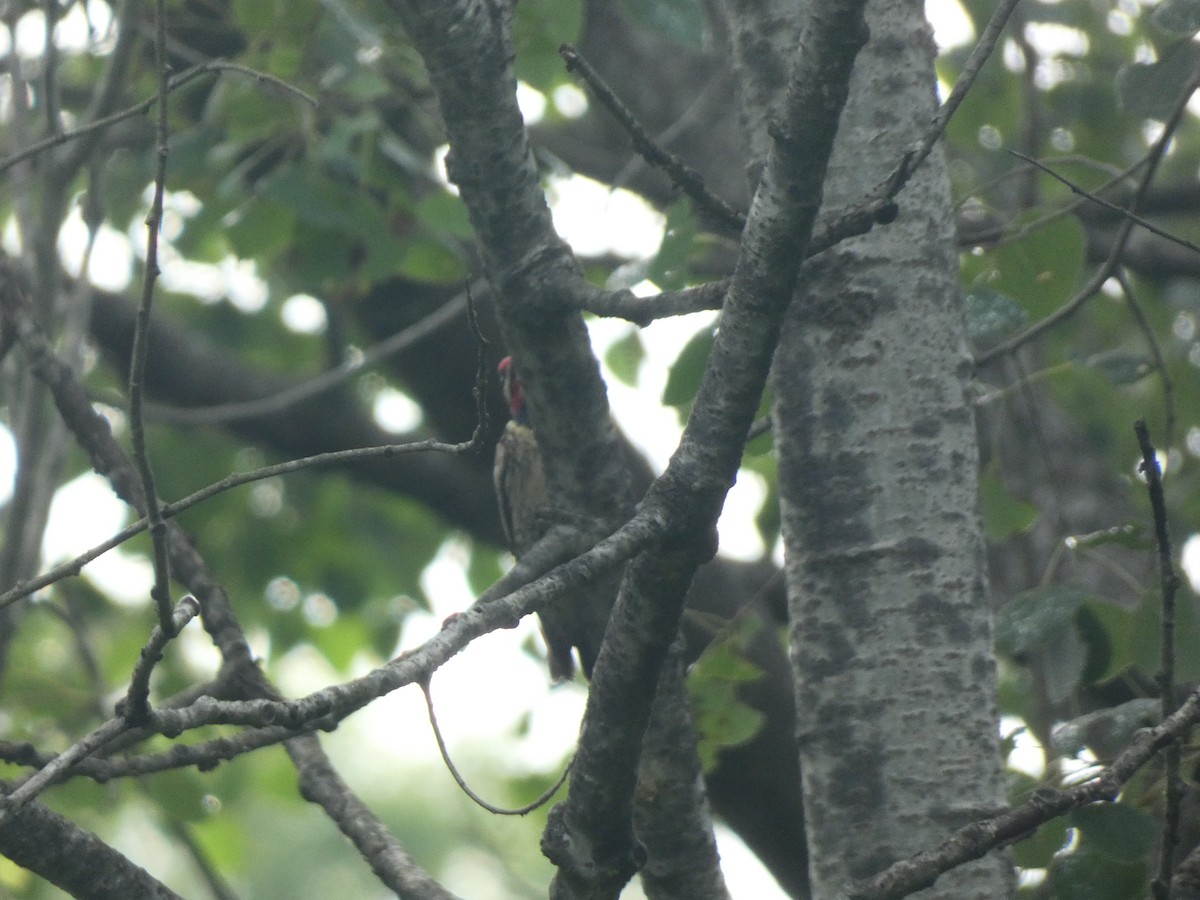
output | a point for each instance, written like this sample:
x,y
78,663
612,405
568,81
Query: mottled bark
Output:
x,y
890,624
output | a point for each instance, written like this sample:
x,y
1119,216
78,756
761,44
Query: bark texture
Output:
x,y
890,625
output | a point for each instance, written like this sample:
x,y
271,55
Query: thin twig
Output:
x,y
62,763
688,179
483,373
1169,584
113,728
979,838
1114,256
1160,362
136,705
161,591
1126,212
170,510
173,84
878,207
466,788
966,78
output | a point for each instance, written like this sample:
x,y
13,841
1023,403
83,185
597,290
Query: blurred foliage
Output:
x,y
336,200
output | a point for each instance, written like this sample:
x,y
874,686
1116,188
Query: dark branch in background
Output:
x,y
50,67
320,460
1110,264
103,101
161,591
324,707
213,879
545,797
189,370
311,387
1169,584
688,179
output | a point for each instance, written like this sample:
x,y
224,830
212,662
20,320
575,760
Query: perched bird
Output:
x,y
521,492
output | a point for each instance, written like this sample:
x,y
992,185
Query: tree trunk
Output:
x,y
891,629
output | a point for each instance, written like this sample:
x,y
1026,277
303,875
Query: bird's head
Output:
x,y
514,392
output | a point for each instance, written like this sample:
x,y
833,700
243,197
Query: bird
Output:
x,y
520,481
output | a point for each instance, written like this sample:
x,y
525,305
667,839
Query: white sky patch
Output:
x,y
753,879
740,538
952,26
111,265
655,429
199,280
1190,560
12,236
85,512
31,34
482,695
531,102
303,314
594,219
570,101
1027,755
72,34
395,412
439,169
8,464
1050,39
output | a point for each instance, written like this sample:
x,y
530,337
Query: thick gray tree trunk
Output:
x,y
891,628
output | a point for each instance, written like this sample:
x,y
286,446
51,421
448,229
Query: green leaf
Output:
x,y
670,268
1117,623
1003,514
1094,876
1154,90
1034,619
1121,367
444,212
1040,269
1037,850
342,641
1117,830
539,28
990,315
483,569
260,229
722,719
1179,17
1106,731
254,15
684,377
421,259
625,357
